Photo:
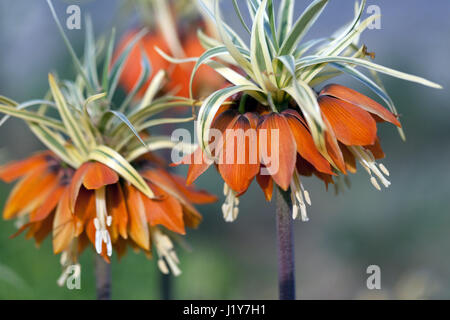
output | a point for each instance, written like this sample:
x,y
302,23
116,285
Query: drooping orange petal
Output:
x,y
75,184
376,150
138,227
162,180
206,80
166,211
360,100
223,121
152,158
117,208
45,228
85,208
349,158
82,242
29,193
90,231
239,162
191,217
63,225
278,155
39,230
98,175
198,163
332,146
34,226
304,168
193,195
48,205
20,230
17,169
351,124
121,247
295,114
306,146
326,178
253,118
133,65
266,184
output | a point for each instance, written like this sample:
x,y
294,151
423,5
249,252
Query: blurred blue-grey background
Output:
x,y
404,229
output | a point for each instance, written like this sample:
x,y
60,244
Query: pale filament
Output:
x,y
101,222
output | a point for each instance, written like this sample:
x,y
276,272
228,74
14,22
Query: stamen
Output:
x,y
306,194
368,162
163,266
383,169
167,256
101,222
294,206
174,256
230,208
64,258
375,183
297,194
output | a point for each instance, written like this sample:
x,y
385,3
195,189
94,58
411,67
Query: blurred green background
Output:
x,y
404,229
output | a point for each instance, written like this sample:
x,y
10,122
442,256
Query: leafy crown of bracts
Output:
x,y
279,68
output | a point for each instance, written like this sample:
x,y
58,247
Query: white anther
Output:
x,y
167,256
375,183
297,194
367,161
307,198
383,169
163,266
230,208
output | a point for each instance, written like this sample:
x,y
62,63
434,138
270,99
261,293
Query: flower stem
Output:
x,y
285,243
166,286
102,278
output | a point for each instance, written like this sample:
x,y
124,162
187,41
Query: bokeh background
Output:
x,y
404,229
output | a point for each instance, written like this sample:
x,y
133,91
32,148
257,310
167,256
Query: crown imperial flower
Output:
x,y
100,182
299,131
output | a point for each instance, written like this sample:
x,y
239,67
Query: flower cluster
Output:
x,y
100,182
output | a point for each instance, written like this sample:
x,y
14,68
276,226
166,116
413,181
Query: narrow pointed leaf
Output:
x,y
72,126
32,117
301,27
315,60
